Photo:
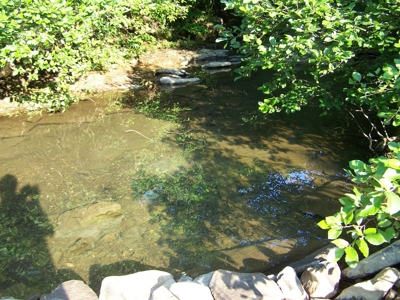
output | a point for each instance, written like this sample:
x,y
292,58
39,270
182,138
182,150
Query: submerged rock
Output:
x,y
89,221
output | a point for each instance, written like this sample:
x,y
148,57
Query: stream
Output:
x,y
190,181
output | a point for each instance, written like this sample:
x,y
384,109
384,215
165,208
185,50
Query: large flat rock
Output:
x,y
92,220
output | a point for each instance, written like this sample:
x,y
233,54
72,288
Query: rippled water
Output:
x,y
218,189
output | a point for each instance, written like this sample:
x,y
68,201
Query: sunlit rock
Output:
x,y
71,290
216,64
373,289
226,285
313,259
387,257
169,80
191,291
134,286
204,279
322,280
162,293
89,221
290,285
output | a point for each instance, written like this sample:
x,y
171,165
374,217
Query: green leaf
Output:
x,y
341,243
322,224
375,239
393,202
335,255
272,40
357,76
357,165
334,233
351,256
363,246
384,223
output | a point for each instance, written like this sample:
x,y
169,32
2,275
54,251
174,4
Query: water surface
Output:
x,y
220,188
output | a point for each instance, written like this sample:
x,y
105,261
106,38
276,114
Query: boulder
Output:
x,y
227,285
386,257
168,80
191,291
290,285
204,279
185,278
135,286
71,290
322,280
92,220
162,293
312,259
373,289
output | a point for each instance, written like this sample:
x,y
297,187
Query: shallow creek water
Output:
x,y
215,190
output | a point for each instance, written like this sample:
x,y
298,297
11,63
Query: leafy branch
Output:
x,y
371,214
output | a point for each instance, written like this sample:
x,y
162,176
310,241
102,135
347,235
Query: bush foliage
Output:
x,y
371,214
57,41
342,53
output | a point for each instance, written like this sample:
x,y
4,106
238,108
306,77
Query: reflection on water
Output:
x,y
114,191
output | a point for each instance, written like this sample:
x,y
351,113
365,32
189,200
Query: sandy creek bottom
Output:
x,y
215,190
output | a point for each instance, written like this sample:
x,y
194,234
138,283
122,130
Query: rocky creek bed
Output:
x,y
313,277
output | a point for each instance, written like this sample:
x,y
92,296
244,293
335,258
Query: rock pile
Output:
x,y
311,278
211,61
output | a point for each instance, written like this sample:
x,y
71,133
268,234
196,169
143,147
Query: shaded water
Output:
x,y
218,189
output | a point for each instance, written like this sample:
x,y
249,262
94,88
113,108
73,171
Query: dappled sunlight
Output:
x,y
186,182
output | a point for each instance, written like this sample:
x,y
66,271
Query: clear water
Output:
x,y
215,190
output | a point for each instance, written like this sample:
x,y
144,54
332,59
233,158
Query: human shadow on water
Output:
x,y
26,267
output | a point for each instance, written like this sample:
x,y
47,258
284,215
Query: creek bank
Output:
x,y
310,278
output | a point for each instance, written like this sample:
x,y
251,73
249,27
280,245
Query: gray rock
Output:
x,y
191,291
185,278
135,286
162,293
387,257
290,285
373,289
168,80
321,281
216,64
209,54
204,279
71,290
89,221
173,71
227,285
217,70
313,259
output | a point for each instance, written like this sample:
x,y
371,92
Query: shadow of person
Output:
x,y
26,266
